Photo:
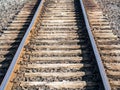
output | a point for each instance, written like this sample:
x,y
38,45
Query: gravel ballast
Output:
x,y
111,9
8,9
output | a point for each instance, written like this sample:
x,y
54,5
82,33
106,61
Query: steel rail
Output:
x,y
96,52
13,63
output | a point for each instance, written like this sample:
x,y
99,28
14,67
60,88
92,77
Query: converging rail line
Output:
x,y
13,34
58,51
108,44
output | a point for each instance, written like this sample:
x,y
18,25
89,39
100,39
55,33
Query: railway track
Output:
x,y
13,34
107,43
58,51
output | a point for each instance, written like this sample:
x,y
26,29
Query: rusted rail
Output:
x,y
95,49
22,20
58,51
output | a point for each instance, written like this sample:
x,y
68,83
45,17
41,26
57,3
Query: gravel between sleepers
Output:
x,y
8,9
111,9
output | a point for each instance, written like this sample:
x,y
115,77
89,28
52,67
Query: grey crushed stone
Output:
x,y
111,9
8,9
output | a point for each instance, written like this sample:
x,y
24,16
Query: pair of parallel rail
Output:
x,y
59,44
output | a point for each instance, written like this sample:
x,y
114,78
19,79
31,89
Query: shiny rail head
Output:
x,y
97,55
7,77
15,58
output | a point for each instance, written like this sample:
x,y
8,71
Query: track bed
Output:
x,y
56,52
